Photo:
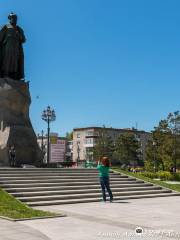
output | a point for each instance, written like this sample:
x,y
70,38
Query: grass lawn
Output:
x,y
13,208
175,187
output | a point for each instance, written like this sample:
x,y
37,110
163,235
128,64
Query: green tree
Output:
x,y
163,150
104,145
127,149
69,136
174,125
159,148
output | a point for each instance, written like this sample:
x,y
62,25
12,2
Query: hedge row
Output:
x,y
163,175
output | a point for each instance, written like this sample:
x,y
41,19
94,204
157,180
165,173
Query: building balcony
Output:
x,y
87,145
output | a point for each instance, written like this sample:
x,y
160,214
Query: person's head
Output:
x,y
12,18
105,161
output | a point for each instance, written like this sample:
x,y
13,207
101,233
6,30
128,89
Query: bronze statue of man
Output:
x,y
11,50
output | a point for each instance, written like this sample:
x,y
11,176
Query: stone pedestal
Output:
x,y
15,124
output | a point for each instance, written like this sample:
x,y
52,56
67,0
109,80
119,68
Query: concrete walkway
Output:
x,y
17,231
158,217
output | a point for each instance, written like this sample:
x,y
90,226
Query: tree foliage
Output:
x,y
69,136
174,125
163,150
104,145
127,149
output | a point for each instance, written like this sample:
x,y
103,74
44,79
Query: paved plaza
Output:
x,y
158,217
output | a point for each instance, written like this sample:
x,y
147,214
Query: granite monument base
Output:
x,y
15,125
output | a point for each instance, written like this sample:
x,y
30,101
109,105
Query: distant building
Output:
x,y
84,140
69,151
58,147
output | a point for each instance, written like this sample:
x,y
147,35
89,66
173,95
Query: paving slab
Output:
x,y
158,218
15,231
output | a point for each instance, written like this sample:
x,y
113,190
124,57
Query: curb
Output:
x,y
33,218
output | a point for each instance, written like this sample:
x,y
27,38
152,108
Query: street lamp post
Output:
x,y
43,145
42,140
48,116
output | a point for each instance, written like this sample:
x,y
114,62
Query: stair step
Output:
x,y
38,187
62,180
20,170
88,195
87,200
62,184
55,174
84,191
52,188
57,177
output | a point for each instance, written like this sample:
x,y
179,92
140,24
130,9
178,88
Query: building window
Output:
x,y
89,133
78,135
89,141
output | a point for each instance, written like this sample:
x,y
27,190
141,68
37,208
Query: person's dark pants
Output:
x,y
104,181
12,161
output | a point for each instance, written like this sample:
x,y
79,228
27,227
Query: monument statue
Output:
x,y
11,50
15,125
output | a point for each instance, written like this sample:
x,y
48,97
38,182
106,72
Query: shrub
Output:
x,y
164,175
176,176
150,175
149,166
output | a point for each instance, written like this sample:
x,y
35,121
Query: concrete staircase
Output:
x,y
38,187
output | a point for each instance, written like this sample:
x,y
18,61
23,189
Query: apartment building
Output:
x,y
84,139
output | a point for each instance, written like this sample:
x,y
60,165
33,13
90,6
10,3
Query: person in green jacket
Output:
x,y
103,168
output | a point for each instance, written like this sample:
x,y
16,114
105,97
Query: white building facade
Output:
x,y
84,140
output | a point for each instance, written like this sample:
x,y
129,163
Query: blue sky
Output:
x,y
100,62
